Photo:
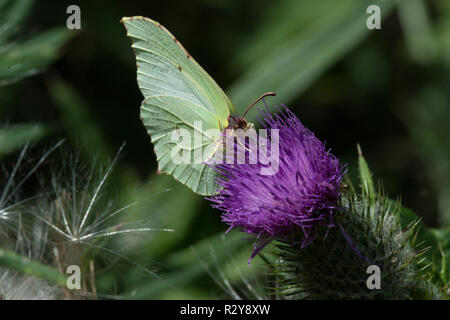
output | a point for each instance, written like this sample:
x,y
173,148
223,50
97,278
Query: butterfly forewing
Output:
x,y
179,95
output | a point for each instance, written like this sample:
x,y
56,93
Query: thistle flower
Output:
x,y
301,195
303,198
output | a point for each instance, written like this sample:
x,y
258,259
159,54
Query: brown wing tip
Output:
x,y
159,25
125,19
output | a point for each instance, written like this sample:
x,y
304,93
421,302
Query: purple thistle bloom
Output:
x,y
301,195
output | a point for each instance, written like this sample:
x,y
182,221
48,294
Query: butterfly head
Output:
x,y
235,122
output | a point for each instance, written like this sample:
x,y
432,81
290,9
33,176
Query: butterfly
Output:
x,y
179,96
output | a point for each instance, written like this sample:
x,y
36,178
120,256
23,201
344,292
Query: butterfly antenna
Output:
x,y
256,101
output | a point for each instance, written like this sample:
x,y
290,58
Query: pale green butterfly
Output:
x,y
179,95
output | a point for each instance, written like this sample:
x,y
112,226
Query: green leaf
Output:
x,y
16,136
366,177
12,14
78,120
290,63
20,60
419,37
29,267
189,264
161,198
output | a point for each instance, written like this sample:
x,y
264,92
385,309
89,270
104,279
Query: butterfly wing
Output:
x,y
179,95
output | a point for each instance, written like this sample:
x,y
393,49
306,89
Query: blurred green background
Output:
x,y
387,89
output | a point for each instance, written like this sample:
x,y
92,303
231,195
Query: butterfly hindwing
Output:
x,y
164,116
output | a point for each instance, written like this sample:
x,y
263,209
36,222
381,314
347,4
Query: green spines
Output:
x,y
367,232
365,175
336,267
